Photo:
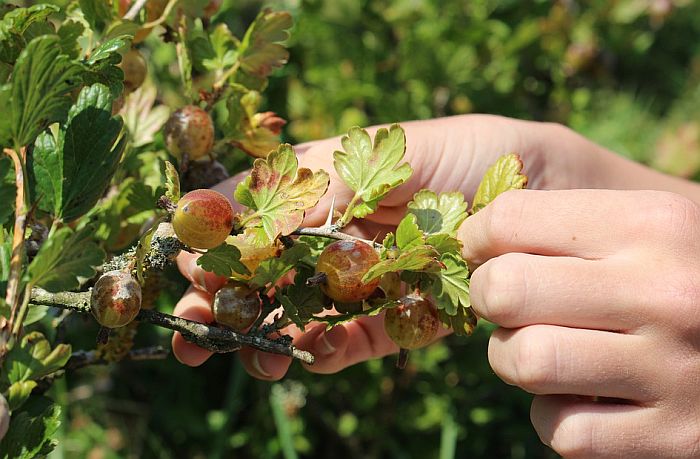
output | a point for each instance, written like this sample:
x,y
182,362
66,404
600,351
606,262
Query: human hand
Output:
x,y
597,294
446,155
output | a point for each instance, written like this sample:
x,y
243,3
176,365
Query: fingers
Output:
x,y
588,224
202,280
516,289
546,359
578,428
194,305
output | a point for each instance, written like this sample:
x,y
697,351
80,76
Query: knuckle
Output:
x,y
672,214
680,291
503,215
499,286
574,437
535,365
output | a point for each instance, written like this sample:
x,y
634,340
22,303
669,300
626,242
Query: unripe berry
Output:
x,y
115,299
203,219
236,306
134,67
345,263
413,323
189,131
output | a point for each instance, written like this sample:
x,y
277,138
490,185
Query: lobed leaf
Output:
x,y
462,323
442,213
450,287
260,51
420,258
300,301
408,234
15,24
271,270
278,194
32,430
372,170
503,175
224,260
64,258
34,358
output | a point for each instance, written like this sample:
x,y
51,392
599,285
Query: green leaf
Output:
x,y
408,234
271,270
261,51
372,170
300,301
6,121
504,175
442,213
450,288
41,81
278,194
463,322
35,314
444,243
69,33
64,258
34,358
368,311
32,430
102,65
172,183
7,189
420,258
16,24
73,167
223,260
222,53
97,13
18,393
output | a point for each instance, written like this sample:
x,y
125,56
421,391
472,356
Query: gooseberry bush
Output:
x,y
102,185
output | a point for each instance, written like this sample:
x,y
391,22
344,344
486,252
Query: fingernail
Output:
x,y
328,342
258,367
197,276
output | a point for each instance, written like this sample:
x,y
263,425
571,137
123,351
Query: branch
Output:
x,y
134,10
210,337
81,359
332,232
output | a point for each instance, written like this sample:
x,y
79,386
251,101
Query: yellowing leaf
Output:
x,y
278,194
251,254
504,175
260,51
371,170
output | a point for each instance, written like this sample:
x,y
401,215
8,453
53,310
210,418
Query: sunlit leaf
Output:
x,y
504,175
441,213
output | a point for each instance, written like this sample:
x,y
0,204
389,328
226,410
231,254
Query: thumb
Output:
x,y
201,279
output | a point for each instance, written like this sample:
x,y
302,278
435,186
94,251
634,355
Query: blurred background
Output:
x,y
625,73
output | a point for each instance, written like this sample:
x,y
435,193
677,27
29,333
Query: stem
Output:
x,y
334,233
13,282
211,337
226,75
166,12
347,215
134,10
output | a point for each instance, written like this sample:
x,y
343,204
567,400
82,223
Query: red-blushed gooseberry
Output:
x,y
413,323
236,306
345,263
203,219
116,299
189,131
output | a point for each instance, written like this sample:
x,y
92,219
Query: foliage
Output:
x,y
622,72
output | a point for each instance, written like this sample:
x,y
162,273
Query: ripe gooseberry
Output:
x,y
413,323
189,131
236,306
344,264
203,219
116,299
134,67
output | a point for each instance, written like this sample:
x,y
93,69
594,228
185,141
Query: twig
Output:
x,y
333,233
134,10
226,75
168,8
211,337
81,359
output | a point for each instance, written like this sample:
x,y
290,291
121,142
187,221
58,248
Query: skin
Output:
x,y
595,286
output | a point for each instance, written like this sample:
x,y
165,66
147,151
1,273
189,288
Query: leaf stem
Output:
x,y
226,75
166,12
211,337
347,215
333,232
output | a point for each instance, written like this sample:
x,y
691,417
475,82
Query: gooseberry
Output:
x,y
345,263
236,306
413,323
134,67
189,131
116,299
203,219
